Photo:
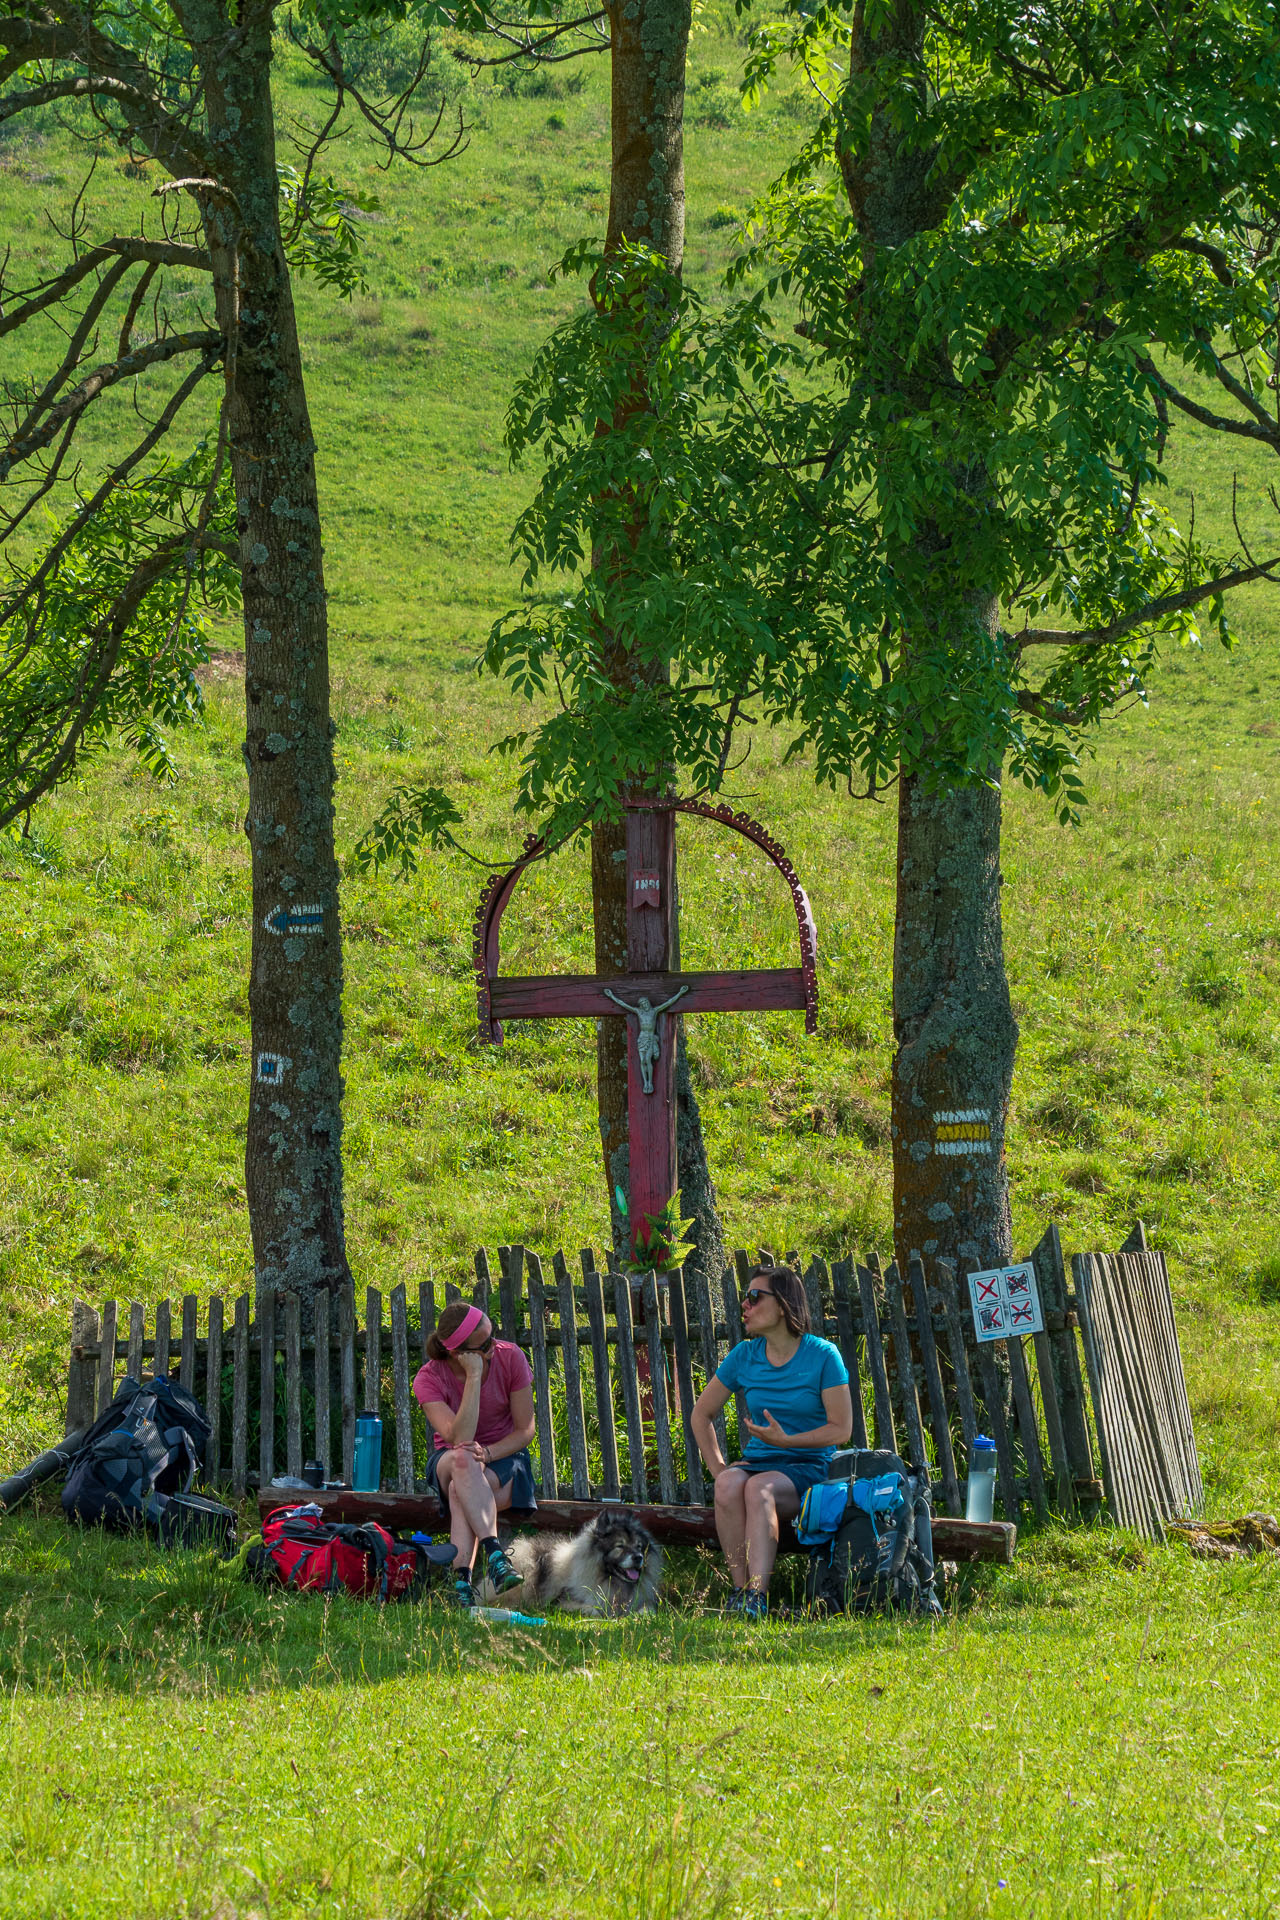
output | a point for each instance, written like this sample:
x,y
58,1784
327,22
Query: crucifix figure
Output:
x,y
650,986
648,1045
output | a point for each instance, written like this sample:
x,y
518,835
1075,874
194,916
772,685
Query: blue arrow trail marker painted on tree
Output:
x,y
293,920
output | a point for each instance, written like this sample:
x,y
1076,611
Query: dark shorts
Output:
x,y
802,1474
514,1469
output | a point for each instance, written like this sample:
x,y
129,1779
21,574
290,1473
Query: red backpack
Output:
x,y
301,1549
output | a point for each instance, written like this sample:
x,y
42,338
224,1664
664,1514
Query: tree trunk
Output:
x,y
646,206
293,1150
954,1030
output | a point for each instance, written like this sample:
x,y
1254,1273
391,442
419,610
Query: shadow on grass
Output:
x,y
87,1612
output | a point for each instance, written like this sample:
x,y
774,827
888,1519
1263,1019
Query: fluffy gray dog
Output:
x,y
613,1566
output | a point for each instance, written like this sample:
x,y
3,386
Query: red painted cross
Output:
x,y
989,1289
649,992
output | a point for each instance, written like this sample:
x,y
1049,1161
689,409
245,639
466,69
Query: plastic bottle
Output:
x,y
366,1468
504,1617
980,1498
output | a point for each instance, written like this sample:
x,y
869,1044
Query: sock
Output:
x,y
491,1544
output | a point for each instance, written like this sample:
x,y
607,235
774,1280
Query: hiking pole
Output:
x,y
51,1465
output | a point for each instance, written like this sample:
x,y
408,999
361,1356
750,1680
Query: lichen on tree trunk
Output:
x,y
293,1148
954,1031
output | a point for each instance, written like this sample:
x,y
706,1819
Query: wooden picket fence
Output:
x,y
617,1366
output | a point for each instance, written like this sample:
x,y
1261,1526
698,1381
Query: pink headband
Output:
x,y
463,1331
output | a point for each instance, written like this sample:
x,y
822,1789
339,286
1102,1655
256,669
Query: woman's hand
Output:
x,y
473,1447
768,1430
472,1364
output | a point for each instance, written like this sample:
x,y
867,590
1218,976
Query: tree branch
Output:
x,y
1154,610
46,293
109,375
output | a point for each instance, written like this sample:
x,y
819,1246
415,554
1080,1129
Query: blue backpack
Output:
x,y
870,1537
823,1509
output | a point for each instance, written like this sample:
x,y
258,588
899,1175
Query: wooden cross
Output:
x,y
648,993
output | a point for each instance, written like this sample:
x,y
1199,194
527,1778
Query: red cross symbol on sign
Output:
x,y
1020,1313
649,987
989,1289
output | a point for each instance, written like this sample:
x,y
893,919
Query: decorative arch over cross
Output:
x,y
649,989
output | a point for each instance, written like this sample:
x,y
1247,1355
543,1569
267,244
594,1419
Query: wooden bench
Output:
x,y
953,1539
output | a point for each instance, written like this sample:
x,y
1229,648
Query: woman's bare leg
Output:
x,y
473,1513
768,1498
731,1521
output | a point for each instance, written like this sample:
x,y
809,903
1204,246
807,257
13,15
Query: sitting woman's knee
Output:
x,y
728,1486
759,1492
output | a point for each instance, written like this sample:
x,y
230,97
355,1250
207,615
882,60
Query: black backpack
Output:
x,y
137,1465
876,1563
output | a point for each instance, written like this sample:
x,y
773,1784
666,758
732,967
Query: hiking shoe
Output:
x,y
755,1605
462,1594
734,1603
502,1575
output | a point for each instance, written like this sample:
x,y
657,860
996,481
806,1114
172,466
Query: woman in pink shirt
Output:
x,y
477,1394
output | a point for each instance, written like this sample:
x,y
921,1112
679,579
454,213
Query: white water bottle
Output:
x,y
981,1497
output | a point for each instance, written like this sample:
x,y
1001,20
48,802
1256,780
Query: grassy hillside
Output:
x,y
1144,948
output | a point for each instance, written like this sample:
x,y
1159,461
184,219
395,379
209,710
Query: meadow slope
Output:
x,y
1091,1733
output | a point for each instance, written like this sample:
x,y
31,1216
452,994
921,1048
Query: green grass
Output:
x,y
1096,1728
1094,1733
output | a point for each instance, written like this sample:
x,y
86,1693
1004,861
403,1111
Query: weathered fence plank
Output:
x,y
658,1388
187,1345
847,1340
212,1387
240,1398
1028,1426
541,1375
137,1339
578,1466
107,1356
164,1339
1060,1338
400,1388
630,1387
266,1385
322,1378
372,1350
917,1457
684,1382
347,1376
598,1325
292,1385
885,1435
939,1422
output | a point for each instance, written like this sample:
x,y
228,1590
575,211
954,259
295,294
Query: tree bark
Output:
x,y
954,1030
650,41
293,1149
955,1035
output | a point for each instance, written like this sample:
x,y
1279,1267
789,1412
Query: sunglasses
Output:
x,y
484,1347
754,1295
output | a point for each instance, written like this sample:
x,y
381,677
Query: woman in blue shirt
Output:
x,y
798,1411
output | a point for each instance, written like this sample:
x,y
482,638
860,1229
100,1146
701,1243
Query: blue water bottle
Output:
x,y
980,1498
366,1468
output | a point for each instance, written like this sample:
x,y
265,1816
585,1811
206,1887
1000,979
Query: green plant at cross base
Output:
x,y
662,1240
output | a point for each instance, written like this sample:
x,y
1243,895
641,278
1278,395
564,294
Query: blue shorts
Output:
x,y
802,1474
515,1468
